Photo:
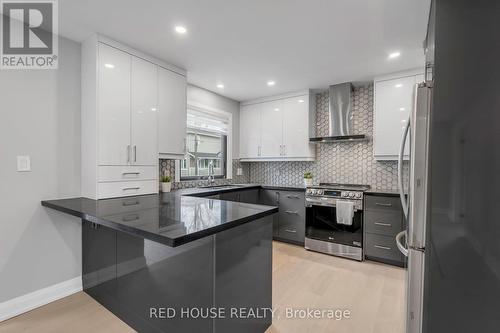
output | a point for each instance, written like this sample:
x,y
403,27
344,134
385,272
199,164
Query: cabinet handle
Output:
x,y
130,203
130,218
130,173
278,197
135,153
131,188
383,204
293,197
292,231
381,247
383,224
128,153
284,150
291,212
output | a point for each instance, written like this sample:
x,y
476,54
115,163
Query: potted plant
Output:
x,y
166,183
308,179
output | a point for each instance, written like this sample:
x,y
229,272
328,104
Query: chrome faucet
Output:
x,y
211,178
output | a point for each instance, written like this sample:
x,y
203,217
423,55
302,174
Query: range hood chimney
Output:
x,y
339,116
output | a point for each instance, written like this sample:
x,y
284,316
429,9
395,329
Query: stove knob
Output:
x,y
358,195
313,191
320,192
351,195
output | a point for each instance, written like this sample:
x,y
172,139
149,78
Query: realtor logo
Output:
x,y
29,34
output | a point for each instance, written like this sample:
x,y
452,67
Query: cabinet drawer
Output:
x,y
387,223
291,232
145,218
123,173
125,205
383,247
375,202
128,188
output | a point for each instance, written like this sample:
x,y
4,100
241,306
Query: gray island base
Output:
x,y
183,264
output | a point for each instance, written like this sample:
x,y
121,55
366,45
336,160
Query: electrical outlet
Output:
x,y
23,163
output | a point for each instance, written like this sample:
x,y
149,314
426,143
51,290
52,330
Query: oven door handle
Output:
x,y
311,203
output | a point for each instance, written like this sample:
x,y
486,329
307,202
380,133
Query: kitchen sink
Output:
x,y
220,186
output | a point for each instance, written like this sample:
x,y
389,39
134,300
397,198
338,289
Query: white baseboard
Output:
x,y
25,303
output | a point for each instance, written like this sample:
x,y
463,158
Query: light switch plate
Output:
x,y
23,163
239,172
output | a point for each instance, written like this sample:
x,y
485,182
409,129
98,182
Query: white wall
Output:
x,y
216,101
40,117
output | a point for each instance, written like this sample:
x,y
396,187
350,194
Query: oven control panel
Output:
x,y
334,193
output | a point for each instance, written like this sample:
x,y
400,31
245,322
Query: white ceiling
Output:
x,y
244,43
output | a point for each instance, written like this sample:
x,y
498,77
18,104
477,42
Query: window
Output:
x,y
206,144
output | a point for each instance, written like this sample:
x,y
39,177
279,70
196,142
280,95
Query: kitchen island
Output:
x,y
177,263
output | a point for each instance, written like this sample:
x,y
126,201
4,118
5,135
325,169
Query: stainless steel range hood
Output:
x,y
339,116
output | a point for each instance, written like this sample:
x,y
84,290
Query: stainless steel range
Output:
x,y
324,232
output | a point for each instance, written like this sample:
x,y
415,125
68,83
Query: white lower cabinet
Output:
x,y
393,102
127,188
124,173
278,128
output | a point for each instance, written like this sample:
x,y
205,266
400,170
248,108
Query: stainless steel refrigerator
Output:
x,y
453,227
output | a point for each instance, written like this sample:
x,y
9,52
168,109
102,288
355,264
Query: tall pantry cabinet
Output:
x,y
122,118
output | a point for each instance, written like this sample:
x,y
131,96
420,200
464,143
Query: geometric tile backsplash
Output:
x,y
340,162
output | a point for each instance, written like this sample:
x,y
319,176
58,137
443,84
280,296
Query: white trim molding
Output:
x,y
33,300
228,116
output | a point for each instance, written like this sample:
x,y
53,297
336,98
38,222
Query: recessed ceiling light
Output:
x,y
301,101
180,29
276,109
271,83
402,109
394,55
220,86
109,65
399,85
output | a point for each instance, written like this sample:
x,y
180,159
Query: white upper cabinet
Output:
x,y
144,113
277,128
114,106
250,140
295,128
394,100
172,113
271,129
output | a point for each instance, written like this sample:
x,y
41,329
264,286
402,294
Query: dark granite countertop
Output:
x,y
172,219
284,187
206,191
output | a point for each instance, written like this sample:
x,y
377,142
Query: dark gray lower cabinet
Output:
x,y
289,223
135,278
383,220
248,196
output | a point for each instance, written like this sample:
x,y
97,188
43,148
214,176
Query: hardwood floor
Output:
x,y
373,293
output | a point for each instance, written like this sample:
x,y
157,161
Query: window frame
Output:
x,y
228,118
223,157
